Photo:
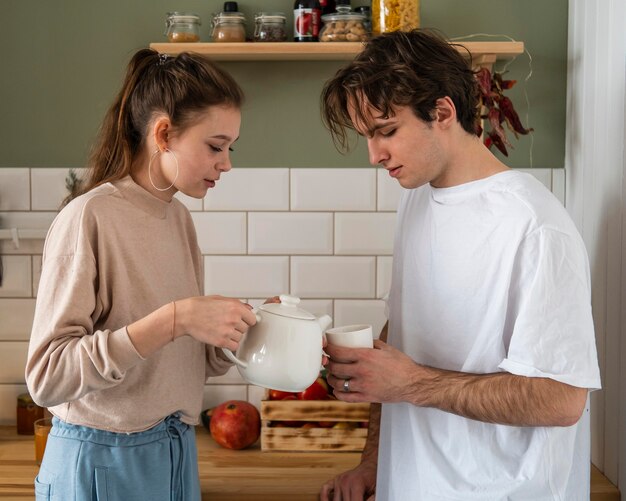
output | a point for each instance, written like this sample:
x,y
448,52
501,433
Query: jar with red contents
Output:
x,y
306,20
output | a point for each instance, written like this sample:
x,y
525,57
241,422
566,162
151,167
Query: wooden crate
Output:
x,y
317,438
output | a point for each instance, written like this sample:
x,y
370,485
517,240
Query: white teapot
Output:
x,y
283,350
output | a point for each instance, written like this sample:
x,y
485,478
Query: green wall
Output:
x,y
63,62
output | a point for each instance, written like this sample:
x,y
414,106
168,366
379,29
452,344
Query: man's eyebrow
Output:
x,y
372,130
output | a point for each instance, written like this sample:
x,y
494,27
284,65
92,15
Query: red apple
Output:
x,y
281,395
326,424
235,424
317,391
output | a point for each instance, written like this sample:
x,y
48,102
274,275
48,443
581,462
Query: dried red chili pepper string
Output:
x,y
499,108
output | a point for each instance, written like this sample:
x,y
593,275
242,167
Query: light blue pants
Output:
x,y
86,464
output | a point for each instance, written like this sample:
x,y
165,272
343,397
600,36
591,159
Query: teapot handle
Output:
x,y
232,356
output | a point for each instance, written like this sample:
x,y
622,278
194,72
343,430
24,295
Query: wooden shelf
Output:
x,y
482,52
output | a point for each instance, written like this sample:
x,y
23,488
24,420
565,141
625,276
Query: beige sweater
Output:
x,y
111,257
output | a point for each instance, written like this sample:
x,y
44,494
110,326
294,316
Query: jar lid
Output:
x,y
343,16
270,16
24,399
183,17
288,307
231,7
229,17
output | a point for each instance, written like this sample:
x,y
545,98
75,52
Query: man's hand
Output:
x,y
383,374
353,485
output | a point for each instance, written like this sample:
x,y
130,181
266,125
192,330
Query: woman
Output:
x,y
123,338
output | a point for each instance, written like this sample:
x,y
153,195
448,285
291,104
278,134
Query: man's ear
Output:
x,y
160,132
445,112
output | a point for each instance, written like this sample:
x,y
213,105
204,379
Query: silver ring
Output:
x,y
346,385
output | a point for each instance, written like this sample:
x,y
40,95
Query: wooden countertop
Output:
x,y
225,475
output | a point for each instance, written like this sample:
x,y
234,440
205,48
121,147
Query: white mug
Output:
x,y
351,336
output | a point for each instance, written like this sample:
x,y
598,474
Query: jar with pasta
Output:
x,y
394,15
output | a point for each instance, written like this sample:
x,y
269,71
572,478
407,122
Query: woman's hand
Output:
x,y
215,320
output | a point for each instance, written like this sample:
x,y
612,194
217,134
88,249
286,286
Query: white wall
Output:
x,y
325,235
596,199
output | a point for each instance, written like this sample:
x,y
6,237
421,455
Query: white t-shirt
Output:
x,y
488,276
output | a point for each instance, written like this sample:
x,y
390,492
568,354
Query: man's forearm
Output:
x,y
501,397
370,451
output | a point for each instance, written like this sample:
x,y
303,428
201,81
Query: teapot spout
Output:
x,y
324,322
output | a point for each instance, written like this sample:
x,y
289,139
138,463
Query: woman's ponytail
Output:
x,y
181,87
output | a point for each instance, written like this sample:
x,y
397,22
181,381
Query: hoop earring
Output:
x,y
150,167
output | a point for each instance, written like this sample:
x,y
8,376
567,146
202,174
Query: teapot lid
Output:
x,y
288,307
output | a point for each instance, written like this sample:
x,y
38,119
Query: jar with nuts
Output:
x,y
343,26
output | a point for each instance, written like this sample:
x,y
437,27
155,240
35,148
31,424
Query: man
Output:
x,y
490,351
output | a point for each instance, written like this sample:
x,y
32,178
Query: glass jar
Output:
x,y
229,27
270,27
366,12
343,26
182,27
395,15
27,413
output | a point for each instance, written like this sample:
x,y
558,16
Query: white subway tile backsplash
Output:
x,y
193,204
255,395
290,233
246,276
14,189
25,220
348,312
221,232
364,233
333,276
48,188
17,280
333,189
333,250
389,191
13,362
383,275
215,394
17,319
8,402
250,189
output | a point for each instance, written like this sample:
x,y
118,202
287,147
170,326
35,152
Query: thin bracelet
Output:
x,y
173,319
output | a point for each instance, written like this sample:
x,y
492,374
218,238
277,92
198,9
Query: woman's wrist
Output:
x,y
178,312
